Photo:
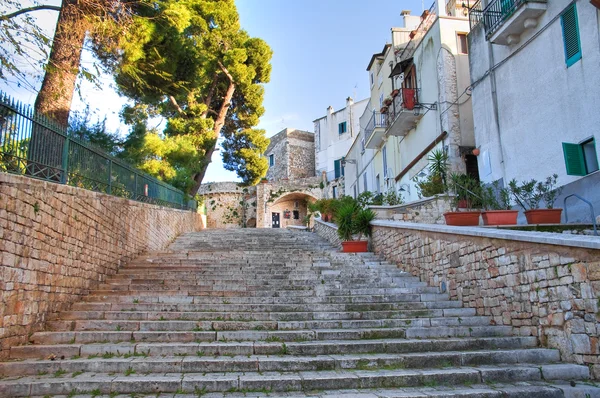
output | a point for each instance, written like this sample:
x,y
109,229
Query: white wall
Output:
x,y
541,102
332,145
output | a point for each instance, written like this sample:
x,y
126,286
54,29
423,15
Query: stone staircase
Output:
x,y
278,313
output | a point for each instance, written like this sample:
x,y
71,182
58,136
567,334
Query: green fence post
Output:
x,y
109,189
65,162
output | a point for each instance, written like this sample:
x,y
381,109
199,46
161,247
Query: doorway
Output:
x,y
275,220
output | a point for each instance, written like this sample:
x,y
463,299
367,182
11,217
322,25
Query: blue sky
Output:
x,y
321,51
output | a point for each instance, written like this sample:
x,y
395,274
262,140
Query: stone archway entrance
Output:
x,y
291,203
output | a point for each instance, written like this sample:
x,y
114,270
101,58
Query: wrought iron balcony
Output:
x,y
404,112
505,20
375,130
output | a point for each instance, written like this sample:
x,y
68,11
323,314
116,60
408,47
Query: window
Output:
x,y
372,79
580,159
384,158
570,29
463,47
378,184
342,128
354,189
338,167
365,182
296,215
335,192
271,160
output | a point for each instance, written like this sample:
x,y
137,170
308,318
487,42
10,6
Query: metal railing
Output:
x,y
406,100
377,120
475,14
592,212
499,11
32,145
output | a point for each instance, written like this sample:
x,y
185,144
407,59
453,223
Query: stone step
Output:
x,y
279,363
211,300
313,347
265,316
189,305
324,289
199,383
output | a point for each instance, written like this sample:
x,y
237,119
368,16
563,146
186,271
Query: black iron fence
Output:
x,y
32,145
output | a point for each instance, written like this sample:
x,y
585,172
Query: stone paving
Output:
x,y
280,313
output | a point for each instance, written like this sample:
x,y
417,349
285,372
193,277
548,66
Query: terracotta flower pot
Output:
x,y
476,152
500,217
543,216
395,92
355,246
462,218
383,109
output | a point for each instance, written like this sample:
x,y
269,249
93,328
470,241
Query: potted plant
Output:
x,y
353,220
387,101
465,188
395,92
529,194
498,205
383,109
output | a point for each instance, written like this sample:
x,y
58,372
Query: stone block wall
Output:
x,y
542,284
328,231
57,242
229,205
425,211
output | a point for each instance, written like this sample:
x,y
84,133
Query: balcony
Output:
x,y
404,113
375,130
506,20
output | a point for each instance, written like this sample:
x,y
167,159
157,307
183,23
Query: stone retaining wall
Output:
x,y
426,211
57,242
542,284
328,231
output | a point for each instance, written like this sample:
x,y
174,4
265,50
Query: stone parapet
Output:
x,y
57,242
328,231
542,284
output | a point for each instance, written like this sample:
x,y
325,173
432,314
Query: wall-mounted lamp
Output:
x,y
405,190
465,8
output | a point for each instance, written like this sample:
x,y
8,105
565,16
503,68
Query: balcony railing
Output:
x,y
498,11
475,14
406,101
378,120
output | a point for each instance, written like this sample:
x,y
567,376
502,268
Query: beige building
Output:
x,y
279,201
420,102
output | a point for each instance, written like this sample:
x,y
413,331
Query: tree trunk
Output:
x,y
219,122
55,97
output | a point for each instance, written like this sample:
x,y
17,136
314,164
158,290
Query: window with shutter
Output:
x,y
574,159
338,168
570,29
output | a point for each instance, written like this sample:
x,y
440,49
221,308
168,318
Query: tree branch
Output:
x,y
28,9
224,69
176,105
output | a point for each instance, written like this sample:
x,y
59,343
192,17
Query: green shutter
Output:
x,y
574,159
338,168
570,28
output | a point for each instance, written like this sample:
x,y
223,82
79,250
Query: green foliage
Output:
x,y
351,218
436,182
392,198
82,127
529,194
345,220
466,189
189,62
494,197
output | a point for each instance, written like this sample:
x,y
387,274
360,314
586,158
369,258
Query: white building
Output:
x,y
427,62
535,71
334,134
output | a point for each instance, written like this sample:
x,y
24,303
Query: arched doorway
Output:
x,y
290,209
